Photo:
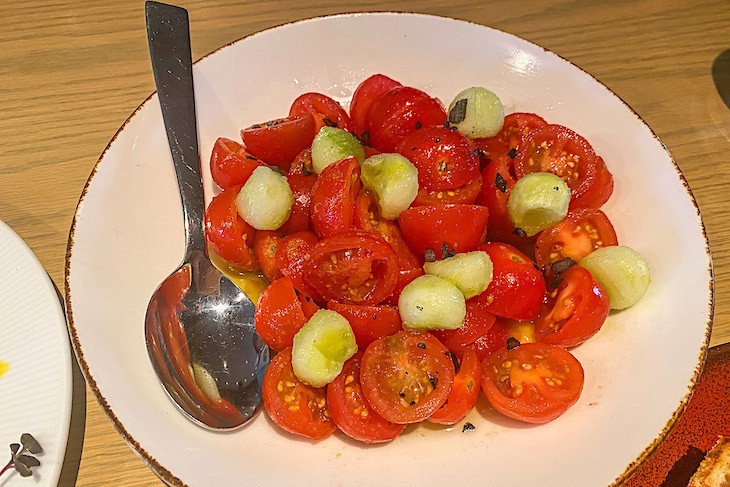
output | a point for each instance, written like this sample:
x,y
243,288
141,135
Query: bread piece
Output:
x,y
714,471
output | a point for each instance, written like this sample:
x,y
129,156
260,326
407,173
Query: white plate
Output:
x,y
127,235
35,393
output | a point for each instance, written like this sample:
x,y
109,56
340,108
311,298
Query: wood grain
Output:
x,y
72,71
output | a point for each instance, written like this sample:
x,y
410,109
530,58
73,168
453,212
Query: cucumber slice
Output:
x,y
266,200
321,348
331,145
538,201
392,180
431,303
471,272
622,272
476,112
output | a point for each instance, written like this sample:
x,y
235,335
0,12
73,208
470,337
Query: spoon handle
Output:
x,y
168,34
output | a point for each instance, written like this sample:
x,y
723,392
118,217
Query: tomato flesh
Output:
x,y
333,197
292,253
364,95
458,227
278,142
265,243
534,383
231,164
477,322
464,393
407,376
351,413
466,194
279,314
227,233
294,406
369,323
325,110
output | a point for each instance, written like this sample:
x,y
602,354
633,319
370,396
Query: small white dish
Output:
x,y
640,369
36,390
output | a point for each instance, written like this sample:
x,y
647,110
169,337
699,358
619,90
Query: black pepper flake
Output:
x,y
255,126
429,255
365,137
422,345
375,317
500,183
458,113
537,267
467,427
419,124
305,170
414,148
512,343
250,157
329,122
519,232
412,403
562,265
272,123
419,308
451,253
477,152
512,153
309,300
437,139
433,380
402,394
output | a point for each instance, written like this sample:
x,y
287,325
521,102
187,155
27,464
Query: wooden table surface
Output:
x,y
71,72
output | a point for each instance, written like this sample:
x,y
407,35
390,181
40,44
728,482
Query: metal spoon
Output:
x,y
199,324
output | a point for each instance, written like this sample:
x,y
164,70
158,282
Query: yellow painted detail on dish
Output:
x,y
251,283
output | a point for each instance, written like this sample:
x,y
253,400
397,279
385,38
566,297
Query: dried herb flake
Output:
x,y
500,183
458,113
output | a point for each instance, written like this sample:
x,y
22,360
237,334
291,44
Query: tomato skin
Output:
x,y
279,314
278,142
309,419
333,197
397,369
292,254
464,393
550,382
405,276
577,235
351,413
309,307
302,163
489,150
466,194
367,217
397,113
460,227
364,95
598,192
494,339
325,110
300,219
265,243
516,125
227,233
369,323
497,176
517,289
543,149
354,268
230,164
445,158
477,322
576,313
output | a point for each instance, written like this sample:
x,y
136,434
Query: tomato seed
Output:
x,y
349,379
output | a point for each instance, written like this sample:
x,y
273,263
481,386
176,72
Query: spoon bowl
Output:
x,y
199,325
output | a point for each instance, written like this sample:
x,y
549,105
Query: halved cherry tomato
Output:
x,y
230,164
494,339
367,217
355,267
477,322
369,323
459,227
577,311
398,112
599,191
300,218
351,413
227,233
464,393
466,194
279,314
534,383
294,406
302,164
405,276
309,307
406,377
292,254
265,243
445,159
278,142
558,150
333,197
516,125
325,110
517,289
498,180
489,150
577,235
364,95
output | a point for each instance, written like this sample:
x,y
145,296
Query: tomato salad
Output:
x,y
418,255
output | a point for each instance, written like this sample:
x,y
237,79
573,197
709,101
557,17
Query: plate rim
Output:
x,y
166,475
42,276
